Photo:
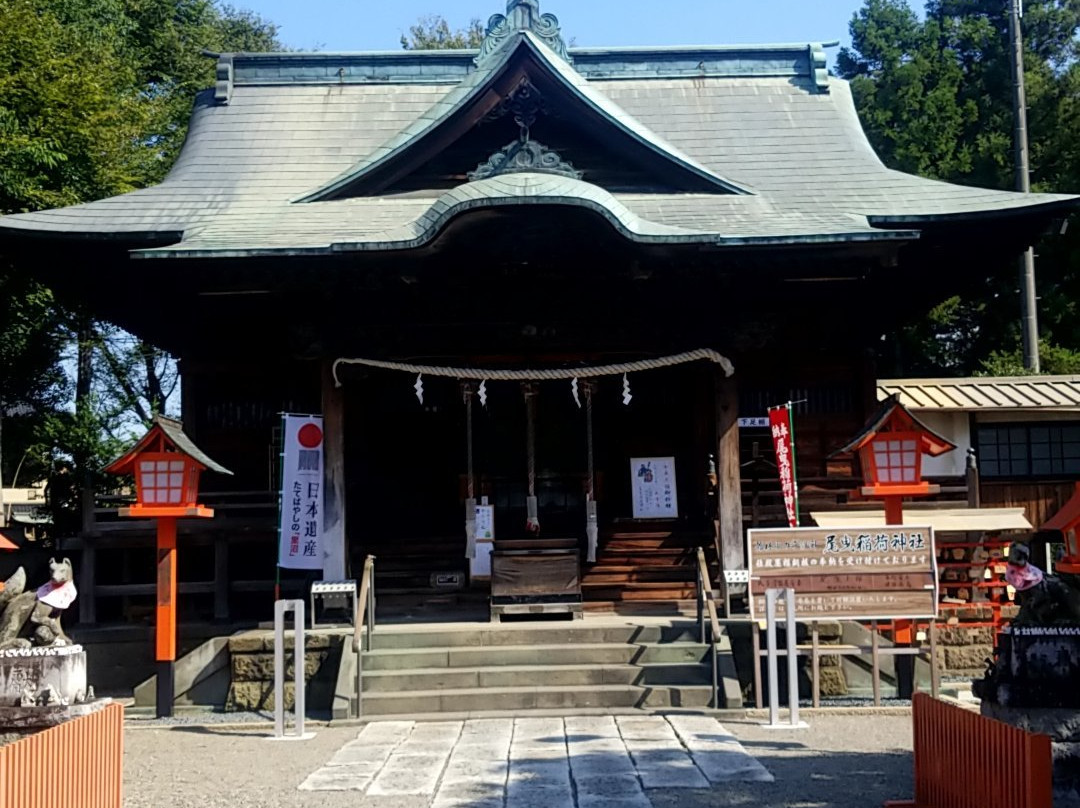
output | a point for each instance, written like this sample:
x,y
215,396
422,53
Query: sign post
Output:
x,y
870,573
791,641
281,608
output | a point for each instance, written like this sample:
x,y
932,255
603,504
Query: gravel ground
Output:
x,y
841,761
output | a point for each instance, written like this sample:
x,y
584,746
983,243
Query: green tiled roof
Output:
x,y
779,141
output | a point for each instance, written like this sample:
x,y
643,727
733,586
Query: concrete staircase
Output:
x,y
599,664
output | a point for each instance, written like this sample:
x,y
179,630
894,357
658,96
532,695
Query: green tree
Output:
x,y
935,99
433,32
95,97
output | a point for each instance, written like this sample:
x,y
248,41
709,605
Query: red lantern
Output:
x,y
890,449
166,466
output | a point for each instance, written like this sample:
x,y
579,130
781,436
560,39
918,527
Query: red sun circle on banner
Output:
x,y
309,436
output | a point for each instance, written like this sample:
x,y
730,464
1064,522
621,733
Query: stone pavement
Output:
x,y
584,762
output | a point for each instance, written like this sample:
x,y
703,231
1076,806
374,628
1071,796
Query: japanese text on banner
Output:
x,y
784,443
301,528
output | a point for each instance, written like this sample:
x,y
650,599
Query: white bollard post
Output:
x,y
793,657
770,644
771,598
281,608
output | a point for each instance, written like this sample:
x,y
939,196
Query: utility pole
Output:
x,y
3,519
1029,317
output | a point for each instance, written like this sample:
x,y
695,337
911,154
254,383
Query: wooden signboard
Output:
x,y
873,573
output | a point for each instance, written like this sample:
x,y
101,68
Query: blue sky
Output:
x,y
346,25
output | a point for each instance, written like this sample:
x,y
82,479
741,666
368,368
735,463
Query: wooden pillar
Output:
x,y
87,588
729,493
335,551
221,578
165,622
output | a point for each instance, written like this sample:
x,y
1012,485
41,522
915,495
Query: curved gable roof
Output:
x,y
525,56
765,120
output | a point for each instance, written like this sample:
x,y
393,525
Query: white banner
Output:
x,y
301,529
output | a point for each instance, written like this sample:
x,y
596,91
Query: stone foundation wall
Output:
x,y
963,649
252,666
831,678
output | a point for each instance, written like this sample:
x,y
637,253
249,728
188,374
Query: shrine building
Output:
x,y
662,240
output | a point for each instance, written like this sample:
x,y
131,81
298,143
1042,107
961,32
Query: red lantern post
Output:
x,y
891,449
166,466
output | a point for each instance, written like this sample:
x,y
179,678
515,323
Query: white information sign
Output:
x,y
652,481
485,521
301,528
754,423
480,566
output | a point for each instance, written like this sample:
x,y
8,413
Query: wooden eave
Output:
x,y
931,442
164,435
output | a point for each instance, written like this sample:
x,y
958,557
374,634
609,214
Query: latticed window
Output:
x,y
1029,450
162,481
896,459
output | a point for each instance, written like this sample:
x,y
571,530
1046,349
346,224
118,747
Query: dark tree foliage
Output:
x,y
935,99
95,97
433,32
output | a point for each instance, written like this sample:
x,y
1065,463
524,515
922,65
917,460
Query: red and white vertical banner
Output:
x,y
301,529
784,443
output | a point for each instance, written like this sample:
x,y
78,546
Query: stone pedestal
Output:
x,y
35,669
1063,727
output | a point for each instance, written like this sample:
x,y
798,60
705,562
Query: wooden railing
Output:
x,y
78,764
710,630
364,621
964,760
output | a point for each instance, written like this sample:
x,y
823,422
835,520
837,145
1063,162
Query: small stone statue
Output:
x,y
38,611
1045,600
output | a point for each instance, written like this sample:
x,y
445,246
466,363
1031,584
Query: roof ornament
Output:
x,y
522,15
525,103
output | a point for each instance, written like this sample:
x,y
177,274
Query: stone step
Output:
x,y
534,698
681,607
389,637
510,655
431,679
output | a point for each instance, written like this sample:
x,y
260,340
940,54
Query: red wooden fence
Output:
x,y
78,764
964,760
